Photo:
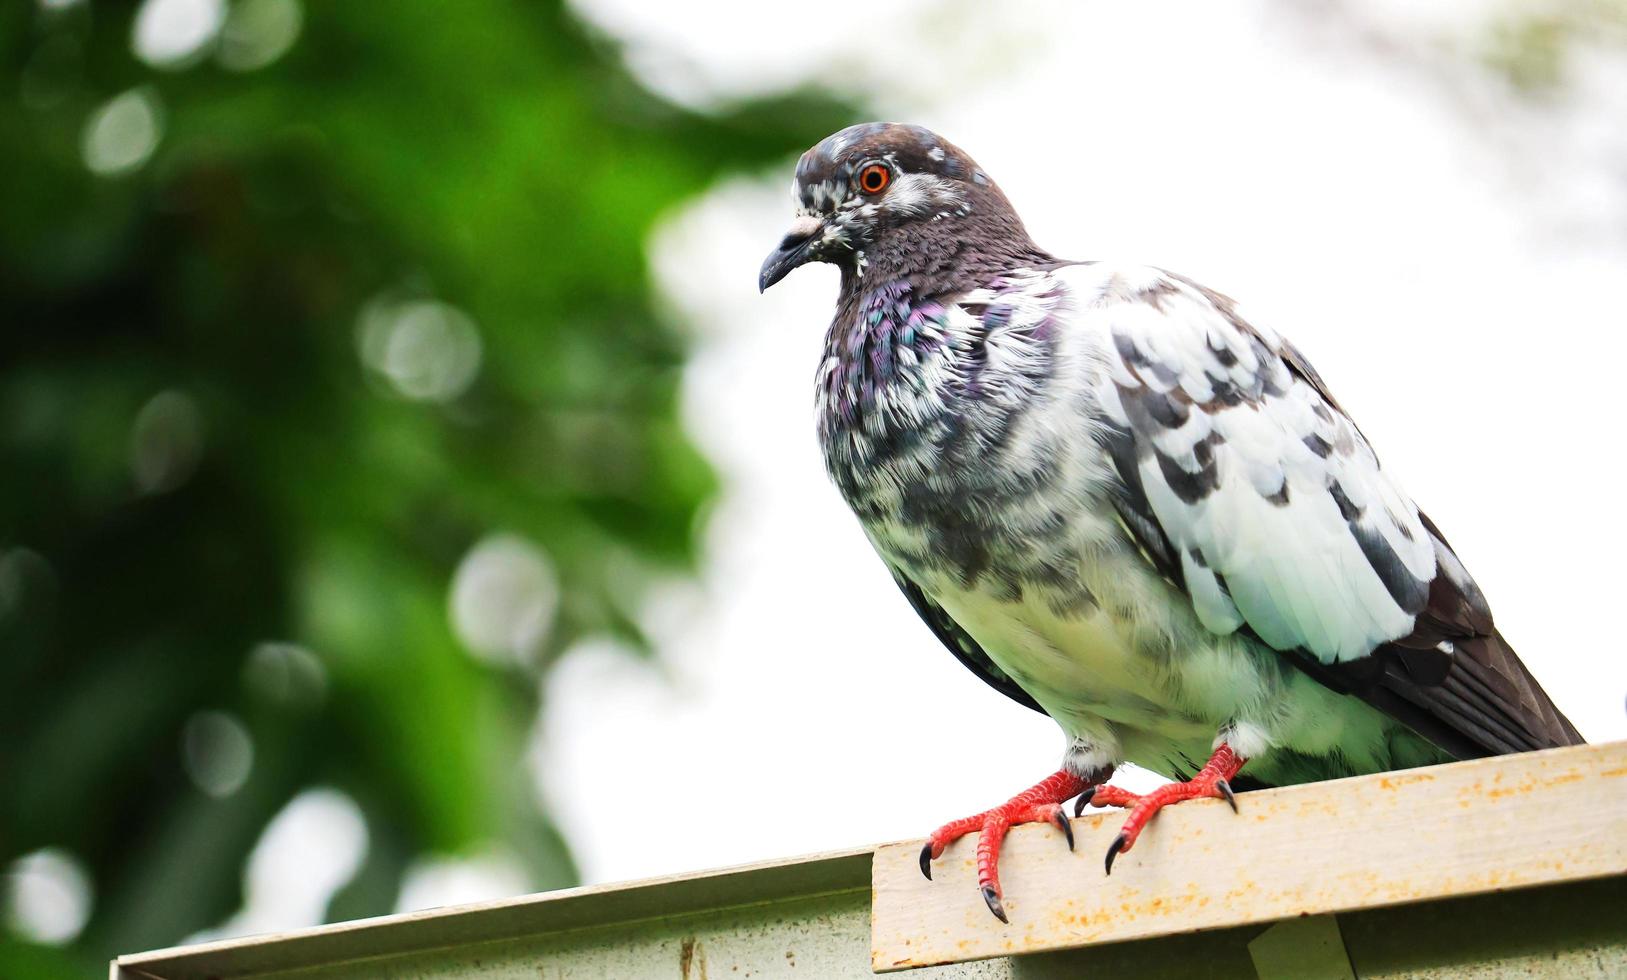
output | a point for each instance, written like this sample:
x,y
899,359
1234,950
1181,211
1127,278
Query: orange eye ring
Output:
x,y
874,178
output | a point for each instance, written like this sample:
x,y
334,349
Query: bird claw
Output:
x,y
1211,780
1120,843
1040,804
1083,801
1063,825
992,899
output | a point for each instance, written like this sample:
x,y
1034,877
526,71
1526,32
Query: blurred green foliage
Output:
x,y
1533,45
197,458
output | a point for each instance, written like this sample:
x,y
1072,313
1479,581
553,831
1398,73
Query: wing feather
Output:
x,y
1247,485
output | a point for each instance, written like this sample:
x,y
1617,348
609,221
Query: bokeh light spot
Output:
x,y
504,595
168,33
122,133
308,851
165,442
432,882
258,32
47,897
217,752
285,673
426,350
281,869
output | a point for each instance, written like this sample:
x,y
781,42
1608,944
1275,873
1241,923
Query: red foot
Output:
x,y
1040,803
1211,780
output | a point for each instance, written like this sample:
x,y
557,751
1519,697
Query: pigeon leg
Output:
x,y
1040,803
1211,780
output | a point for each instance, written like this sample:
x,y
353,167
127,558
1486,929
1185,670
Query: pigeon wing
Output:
x,y
1249,487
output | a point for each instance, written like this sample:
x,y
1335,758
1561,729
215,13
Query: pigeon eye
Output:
x,y
875,178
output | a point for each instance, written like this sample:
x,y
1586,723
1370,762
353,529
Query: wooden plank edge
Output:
x,y
592,906
1371,841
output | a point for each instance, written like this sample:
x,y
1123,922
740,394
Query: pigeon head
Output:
x,y
894,201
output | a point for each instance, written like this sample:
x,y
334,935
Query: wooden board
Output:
x,y
1461,829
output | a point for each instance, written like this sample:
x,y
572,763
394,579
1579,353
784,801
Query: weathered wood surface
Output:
x,y
1500,824
1443,832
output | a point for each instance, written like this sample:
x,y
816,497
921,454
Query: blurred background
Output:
x,y
408,499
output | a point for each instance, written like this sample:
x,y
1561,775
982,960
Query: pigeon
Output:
x,y
1121,503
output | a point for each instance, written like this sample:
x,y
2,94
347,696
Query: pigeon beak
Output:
x,y
793,251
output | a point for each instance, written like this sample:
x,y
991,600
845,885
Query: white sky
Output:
x,y
1450,258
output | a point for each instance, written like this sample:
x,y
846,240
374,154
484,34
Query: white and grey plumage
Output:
x,y
1123,503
